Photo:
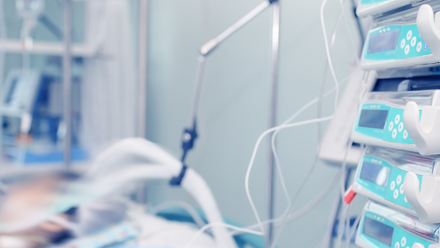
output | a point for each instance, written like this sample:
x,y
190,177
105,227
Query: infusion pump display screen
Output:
x,y
373,118
374,173
383,42
378,231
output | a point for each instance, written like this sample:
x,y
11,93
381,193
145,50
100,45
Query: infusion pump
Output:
x,y
381,173
393,46
380,118
406,39
374,7
382,227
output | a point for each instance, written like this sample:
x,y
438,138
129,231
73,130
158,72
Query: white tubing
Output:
x,y
182,205
199,189
152,162
305,209
130,151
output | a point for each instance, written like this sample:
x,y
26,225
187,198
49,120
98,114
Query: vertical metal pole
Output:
x,y
141,193
2,66
142,70
67,82
273,118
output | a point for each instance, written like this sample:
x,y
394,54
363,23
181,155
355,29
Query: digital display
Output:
x,y
373,118
378,231
374,173
383,42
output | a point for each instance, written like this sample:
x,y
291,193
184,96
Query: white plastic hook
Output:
x,y
429,29
426,132
425,202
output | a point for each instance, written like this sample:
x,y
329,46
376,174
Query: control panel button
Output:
x,y
399,180
397,245
418,245
401,189
397,119
406,200
402,43
403,241
401,127
407,49
396,194
390,126
405,134
413,41
425,47
392,185
409,35
419,46
394,134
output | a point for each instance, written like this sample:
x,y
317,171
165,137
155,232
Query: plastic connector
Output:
x,y
177,181
426,132
349,196
208,47
188,139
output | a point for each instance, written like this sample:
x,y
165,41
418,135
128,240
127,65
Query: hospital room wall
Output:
x,y
235,103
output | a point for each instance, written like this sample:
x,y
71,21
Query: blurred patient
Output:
x,y
22,213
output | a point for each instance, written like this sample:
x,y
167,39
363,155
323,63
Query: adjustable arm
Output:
x,y
190,134
209,46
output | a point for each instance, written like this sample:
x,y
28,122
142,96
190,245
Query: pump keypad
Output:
x,y
396,131
395,192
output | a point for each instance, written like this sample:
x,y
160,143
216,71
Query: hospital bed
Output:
x,y
125,163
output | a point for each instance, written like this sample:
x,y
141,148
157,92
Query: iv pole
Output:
x,y
67,82
273,119
190,134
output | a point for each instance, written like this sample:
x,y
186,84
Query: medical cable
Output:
x,y
341,225
273,130
334,77
305,209
260,225
327,50
353,230
330,223
336,82
182,205
344,165
251,165
319,124
305,107
347,228
350,35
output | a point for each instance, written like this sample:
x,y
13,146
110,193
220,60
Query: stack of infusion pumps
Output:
x,y
399,170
